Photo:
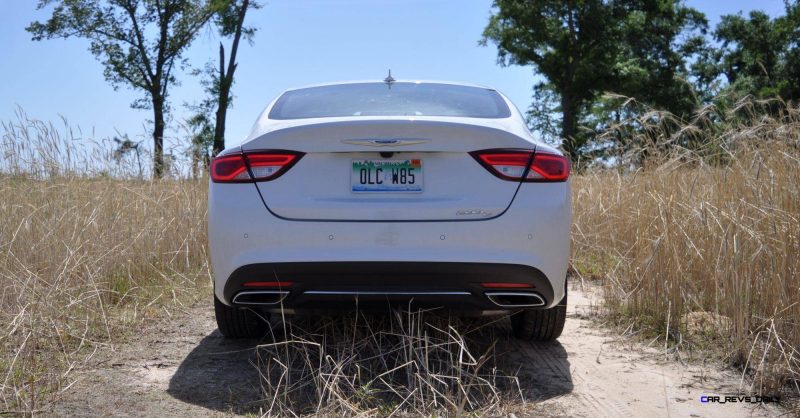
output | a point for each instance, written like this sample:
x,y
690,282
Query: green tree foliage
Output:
x,y
791,67
584,48
571,43
757,55
140,43
656,39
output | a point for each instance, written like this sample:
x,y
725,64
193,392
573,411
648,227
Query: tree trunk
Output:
x,y
226,81
195,160
158,138
222,104
569,126
219,127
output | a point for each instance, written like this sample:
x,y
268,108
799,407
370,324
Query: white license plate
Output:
x,y
386,176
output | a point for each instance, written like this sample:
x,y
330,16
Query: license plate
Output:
x,y
386,176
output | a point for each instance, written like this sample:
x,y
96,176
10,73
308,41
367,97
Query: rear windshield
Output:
x,y
395,99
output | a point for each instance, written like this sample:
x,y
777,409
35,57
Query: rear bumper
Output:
x,y
331,286
533,234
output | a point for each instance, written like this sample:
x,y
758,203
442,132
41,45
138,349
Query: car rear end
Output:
x,y
356,201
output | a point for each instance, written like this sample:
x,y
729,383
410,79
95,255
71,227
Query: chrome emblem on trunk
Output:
x,y
385,142
472,212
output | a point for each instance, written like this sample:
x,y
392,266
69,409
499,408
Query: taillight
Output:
x,y
229,169
269,166
516,164
506,285
549,167
267,284
252,166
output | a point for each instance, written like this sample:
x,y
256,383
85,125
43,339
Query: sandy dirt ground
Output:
x,y
183,367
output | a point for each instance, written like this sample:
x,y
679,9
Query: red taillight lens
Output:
x,y
229,169
508,165
548,167
269,166
513,165
252,166
267,284
504,285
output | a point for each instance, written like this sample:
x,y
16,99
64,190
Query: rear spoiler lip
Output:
x,y
506,126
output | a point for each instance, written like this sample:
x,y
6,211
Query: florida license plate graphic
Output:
x,y
386,176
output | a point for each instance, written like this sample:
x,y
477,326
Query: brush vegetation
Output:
x,y
84,257
416,363
696,236
82,261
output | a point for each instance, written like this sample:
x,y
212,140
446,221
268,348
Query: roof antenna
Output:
x,y
389,79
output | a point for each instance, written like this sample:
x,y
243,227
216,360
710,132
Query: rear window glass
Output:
x,y
395,99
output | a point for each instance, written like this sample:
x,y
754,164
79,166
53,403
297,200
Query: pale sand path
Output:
x,y
183,367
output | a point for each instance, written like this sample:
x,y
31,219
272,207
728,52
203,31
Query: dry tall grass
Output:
x,y
83,258
406,364
704,255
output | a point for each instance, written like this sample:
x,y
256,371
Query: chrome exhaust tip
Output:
x,y
260,297
516,299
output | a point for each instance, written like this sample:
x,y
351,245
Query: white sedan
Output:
x,y
365,195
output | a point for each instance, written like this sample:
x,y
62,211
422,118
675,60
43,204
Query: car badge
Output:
x,y
385,142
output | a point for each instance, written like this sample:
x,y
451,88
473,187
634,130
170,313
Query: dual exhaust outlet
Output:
x,y
515,299
260,297
501,299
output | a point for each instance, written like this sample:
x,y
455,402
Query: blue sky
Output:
x,y
299,42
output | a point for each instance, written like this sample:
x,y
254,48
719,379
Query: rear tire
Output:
x,y
240,322
540,324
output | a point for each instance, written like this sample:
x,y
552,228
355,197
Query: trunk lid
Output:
x,y
344,159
